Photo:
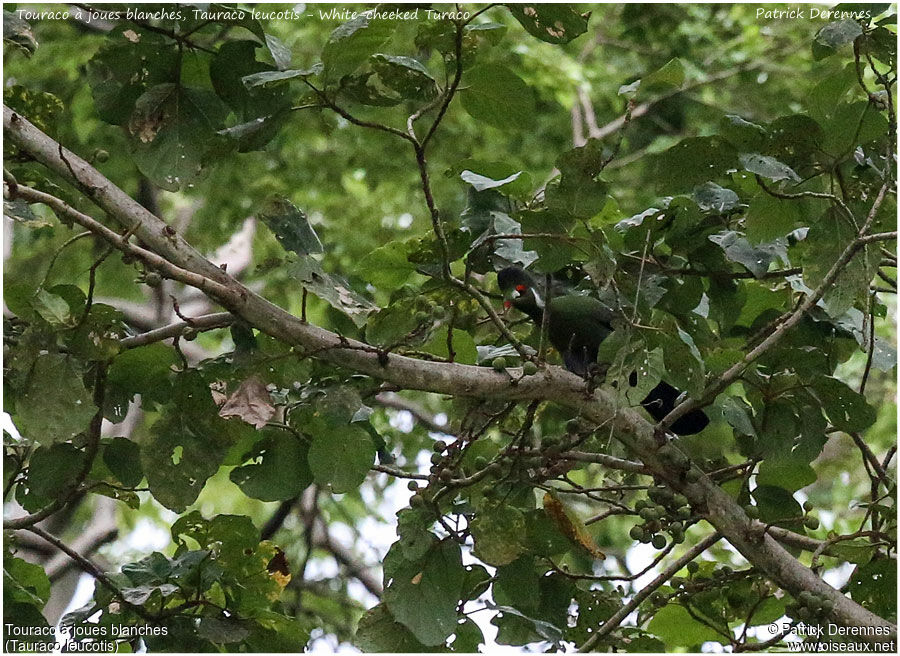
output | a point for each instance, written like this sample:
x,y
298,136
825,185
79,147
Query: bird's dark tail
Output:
x,y
662,399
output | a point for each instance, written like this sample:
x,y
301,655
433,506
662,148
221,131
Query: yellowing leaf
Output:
x,y
570,525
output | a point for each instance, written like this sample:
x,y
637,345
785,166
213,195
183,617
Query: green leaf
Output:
x,y
222,630
415,538
55,407
342,457
825,242
737,413
874,587
290,226
52,308
767,167
670,76
146,370
173,132
332,289
464,350
776,504
845,408
51,472
493,94
827,94
788,472
405,75
234,61
737,249
834,35
130,63
713,198
23,582
499,533
769,218
515,585
267,78
742,134
553,23
379,632
187,444
278,469
675,627
353,43
123,457
423,596
693,161
386,267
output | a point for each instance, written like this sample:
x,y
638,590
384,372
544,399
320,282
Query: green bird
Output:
x,y
576,326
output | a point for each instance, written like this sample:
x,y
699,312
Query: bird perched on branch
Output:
x,y
576,325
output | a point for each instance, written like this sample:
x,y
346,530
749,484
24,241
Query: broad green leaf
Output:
x,y
405,75
290,225
834,35
146,370
55,407
499,533
23,582
131,62
278,469
493,94
341,458
845,408
187,444
353,43
173,132
787,472
379,632
423,595
515,585
755,258
776,504
670,76
874,586
332,289
386,267
464,350
693,161
675,627
713,198
768,167
123,457
825,242
553,23
742,134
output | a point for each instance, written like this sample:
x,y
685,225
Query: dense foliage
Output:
x,y
235,478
